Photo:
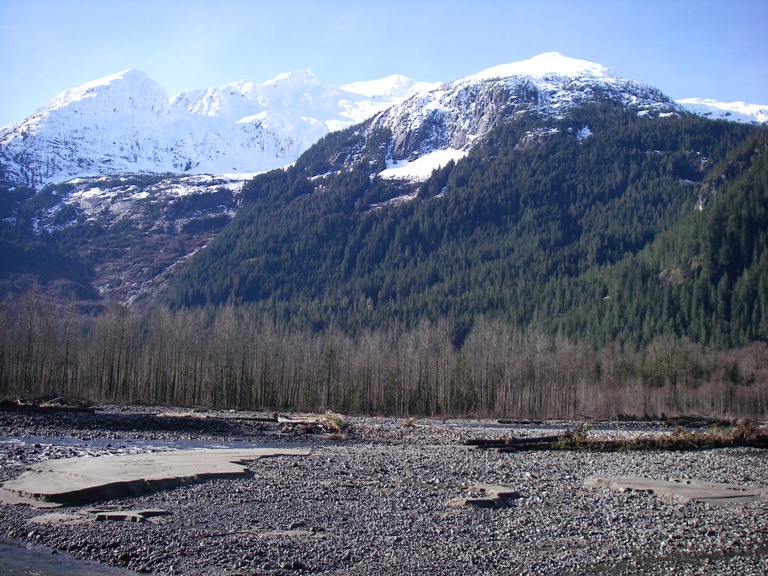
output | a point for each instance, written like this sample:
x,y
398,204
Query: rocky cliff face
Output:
x,y
455,115
121,236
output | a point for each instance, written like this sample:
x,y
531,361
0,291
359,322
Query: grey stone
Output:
x,y
495,496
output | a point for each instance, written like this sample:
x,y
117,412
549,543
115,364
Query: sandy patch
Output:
x,y
89,479
686,490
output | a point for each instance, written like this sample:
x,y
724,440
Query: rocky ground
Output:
x,y
380,498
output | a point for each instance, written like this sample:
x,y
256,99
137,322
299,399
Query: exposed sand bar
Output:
x,y
89,479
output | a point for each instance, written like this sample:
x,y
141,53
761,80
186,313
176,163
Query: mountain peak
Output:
x,y
544,65
131,76
125,122
293,79
451,119
127,75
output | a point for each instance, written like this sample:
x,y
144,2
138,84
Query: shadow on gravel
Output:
x,y
33,417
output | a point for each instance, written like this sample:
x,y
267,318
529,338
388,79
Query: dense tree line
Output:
x,y
230,358
705,278
535,227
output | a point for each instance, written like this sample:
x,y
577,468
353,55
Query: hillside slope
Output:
x,y
537,200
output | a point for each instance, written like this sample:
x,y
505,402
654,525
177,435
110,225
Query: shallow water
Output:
x,y
17,559
152,445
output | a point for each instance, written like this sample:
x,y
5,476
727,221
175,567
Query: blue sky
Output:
x,y
711,49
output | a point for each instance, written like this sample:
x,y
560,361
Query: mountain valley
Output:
x,y
549,195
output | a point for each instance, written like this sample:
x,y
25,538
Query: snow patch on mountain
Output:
x,y
420,169
584,133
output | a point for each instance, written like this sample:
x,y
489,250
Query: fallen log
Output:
x,y
520,421
329,423
272,419
515,441
298,421
697,422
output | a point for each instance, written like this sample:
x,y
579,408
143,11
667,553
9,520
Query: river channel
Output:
x,y
18,559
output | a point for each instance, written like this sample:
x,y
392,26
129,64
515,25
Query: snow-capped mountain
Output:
x,y
434,127
126,123
733,111
568,170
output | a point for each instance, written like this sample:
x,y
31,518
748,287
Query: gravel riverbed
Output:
x,y
377,501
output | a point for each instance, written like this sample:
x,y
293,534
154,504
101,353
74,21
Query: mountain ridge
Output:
x,y
125,122
456,115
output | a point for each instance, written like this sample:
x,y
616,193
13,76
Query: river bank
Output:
x,y
387,496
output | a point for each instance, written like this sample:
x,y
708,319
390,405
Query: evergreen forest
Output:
x,y
609,239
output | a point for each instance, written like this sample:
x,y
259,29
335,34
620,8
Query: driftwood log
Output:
x,y
52,404
252,418
743,435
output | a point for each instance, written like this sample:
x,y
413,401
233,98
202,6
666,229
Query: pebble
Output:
x,y
380,502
